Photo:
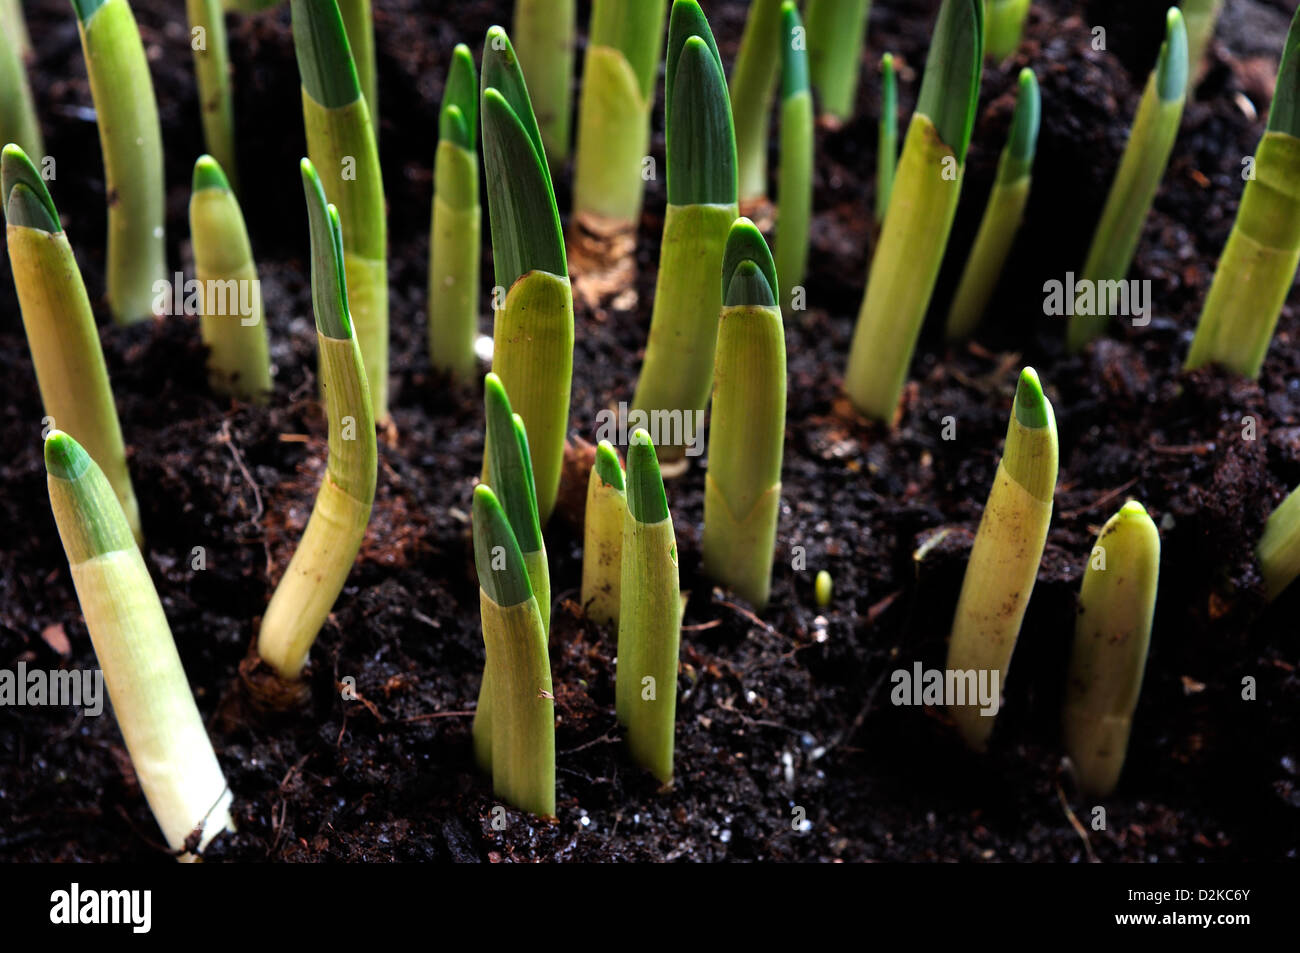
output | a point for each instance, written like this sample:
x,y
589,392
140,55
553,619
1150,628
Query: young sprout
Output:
x,y
921,210
649,616
618,86
151,698
332,539
1004,21
1140,170
212,72
519,727
1200,16
1278,549
836,31
533,335
753,82
742,490
602,546
18,122
239,362
1002,215
1008,548
358,22
795,179
543,31
456,222
677,374
130,138
1111,635
886,136
341,143
1258,264
510,475
60,326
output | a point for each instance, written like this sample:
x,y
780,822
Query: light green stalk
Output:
x,y
1140,170
677,374
514,737
836,31
60,326
1278,550
249,6
1258,264
1201,17
543,31
457,220
649,618
602,546
753,82
532,349
330,543
18,122
239,360
1111,635
341,144
920,216
130,138
795,179
1007,551
1004,21
212,71
358,21
887,136
1002,215
618,85
11,18
742,490
160,724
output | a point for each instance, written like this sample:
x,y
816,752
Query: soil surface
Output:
x,y
784,717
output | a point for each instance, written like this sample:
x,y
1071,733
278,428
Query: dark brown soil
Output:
x,y
781,716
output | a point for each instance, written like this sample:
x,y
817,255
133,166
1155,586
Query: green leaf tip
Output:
x,y
1023,141
458,119
1171,68
1030,404
1133,509
646,500
509,466
951,87
685,21
85,9
497,559
794,52
700,138
501,72
209,175
328,284
748,272
1284,114
27,201
608,468
325,63
525,223
65,459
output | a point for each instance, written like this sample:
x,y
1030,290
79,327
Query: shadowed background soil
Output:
x,y
781,717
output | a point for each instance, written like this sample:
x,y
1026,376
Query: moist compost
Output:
x,y
788,747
